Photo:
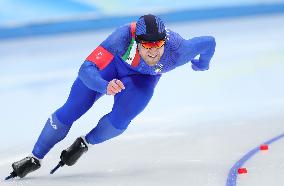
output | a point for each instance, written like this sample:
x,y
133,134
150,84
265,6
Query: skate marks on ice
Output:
x,y
144,160
196,155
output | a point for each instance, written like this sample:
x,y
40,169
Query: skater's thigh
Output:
x,y
133,99
79,101
82,98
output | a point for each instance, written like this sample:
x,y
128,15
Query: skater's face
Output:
x,y
151,52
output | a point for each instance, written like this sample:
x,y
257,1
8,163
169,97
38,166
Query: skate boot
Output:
x,y
71,155
23,167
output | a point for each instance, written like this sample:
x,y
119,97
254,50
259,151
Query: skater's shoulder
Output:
x,y
118,40
123,31
173,40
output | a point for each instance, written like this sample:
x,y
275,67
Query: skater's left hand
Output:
x,y
197,65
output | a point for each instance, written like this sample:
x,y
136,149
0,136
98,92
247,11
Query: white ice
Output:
x,y
196,127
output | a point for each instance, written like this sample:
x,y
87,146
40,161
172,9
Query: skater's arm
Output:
x,y
101,57
188,50
89,74
205,48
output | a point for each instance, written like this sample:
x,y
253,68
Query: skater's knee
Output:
x,y
62,115
120,124
119,119
105,130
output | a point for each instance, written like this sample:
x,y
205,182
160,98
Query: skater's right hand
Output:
x,y
114,86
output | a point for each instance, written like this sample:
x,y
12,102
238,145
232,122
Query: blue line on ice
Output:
x,y
232,176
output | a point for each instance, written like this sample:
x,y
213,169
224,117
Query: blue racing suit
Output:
x,y
117,58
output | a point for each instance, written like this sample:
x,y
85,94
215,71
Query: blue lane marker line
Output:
x,y
232,176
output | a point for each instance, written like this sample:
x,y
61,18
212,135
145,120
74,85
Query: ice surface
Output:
x,y
196,127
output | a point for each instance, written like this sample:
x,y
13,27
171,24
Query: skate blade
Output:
x,y
12,175
60,164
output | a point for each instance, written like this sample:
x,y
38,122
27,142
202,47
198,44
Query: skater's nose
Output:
x,y
153,50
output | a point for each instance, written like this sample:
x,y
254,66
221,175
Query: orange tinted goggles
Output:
x,y
156,44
